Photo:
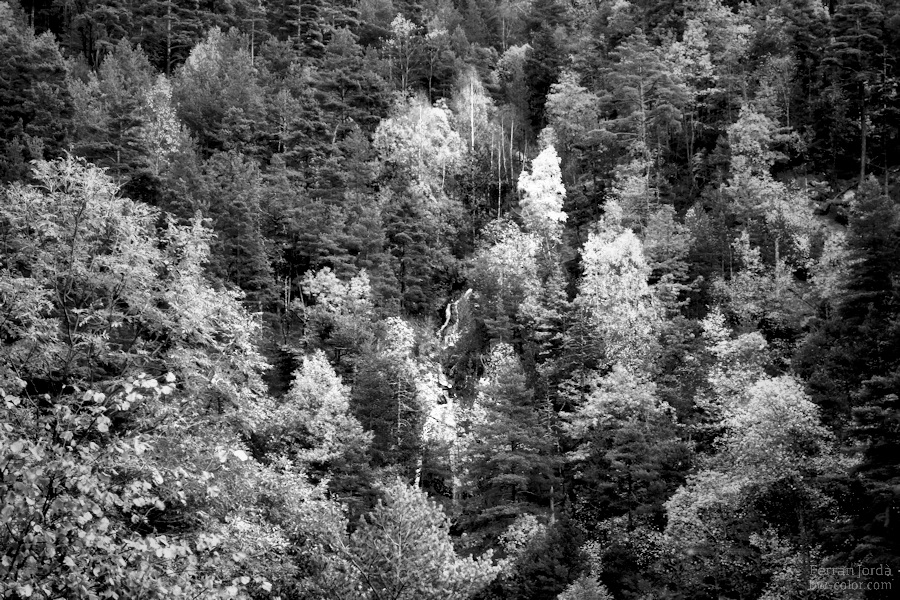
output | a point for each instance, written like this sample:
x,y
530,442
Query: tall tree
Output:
x,y
614,297
509,450
856,56
111,111
218,95
628,459
645,96
36,101
230,196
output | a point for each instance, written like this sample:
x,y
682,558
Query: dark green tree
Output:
x,y
95,27
419,257
542,68
852,365
856,58
37,107
384,401
230,196
644,96
629,459
111,111
218,95
551,561
167,30
510,453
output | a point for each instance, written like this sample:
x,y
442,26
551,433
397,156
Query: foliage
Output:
x,y
402,550
217,95
585,588
507,452
116,480
614,295
614,283
36,101
627,459
504,275
420,141
542,194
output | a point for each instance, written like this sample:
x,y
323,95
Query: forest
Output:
x,y
449,299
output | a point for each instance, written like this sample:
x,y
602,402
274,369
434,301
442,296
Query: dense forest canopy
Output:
x,y
450,299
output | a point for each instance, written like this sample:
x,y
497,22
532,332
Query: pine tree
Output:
x,y
95,28
541,70
218,95
646,95
504,275
111,111
384,401
402,550
36,103
167,30
509,453
230,197
854,56
313,426
628,458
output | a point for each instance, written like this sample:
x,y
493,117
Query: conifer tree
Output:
x,y
402,550
111,111
384,401
36,103
218,95
230,197
646,95
855,55
628,459
509,452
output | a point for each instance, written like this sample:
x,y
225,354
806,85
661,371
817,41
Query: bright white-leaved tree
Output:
x,y
419,141
543,193
504,274
614,295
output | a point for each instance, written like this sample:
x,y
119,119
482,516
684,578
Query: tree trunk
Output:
x,y
471,116
169,38
863,133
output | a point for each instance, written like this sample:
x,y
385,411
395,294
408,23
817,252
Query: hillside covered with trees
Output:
x,y
450,299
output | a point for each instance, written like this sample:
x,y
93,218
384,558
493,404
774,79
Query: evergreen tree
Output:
x,y
402,550
851,363
628,460
218,95
541,70
230,197
95,27
509,452
313,426
504,275
111,111
646,96
856,55
36,103
384,401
